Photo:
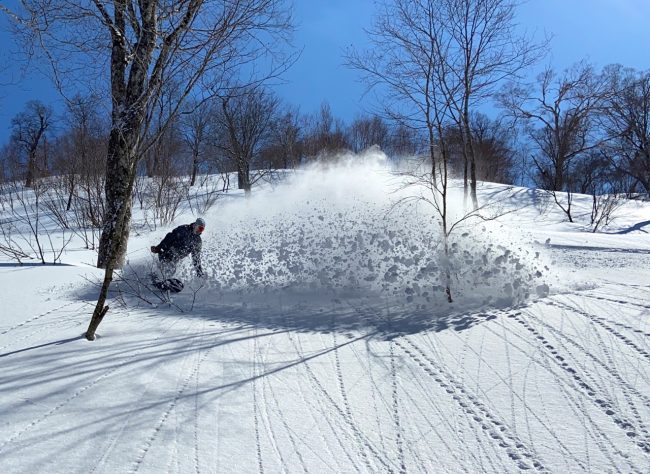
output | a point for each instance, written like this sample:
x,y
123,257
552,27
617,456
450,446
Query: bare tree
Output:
x,y
478,43
80,142
627,121
28,227
10,162
403,61
493,144
28,132
324,134
432,62
593,174
468,48
245,122
560,119
196,129
165,135
365,132
285,148
150,43
404,141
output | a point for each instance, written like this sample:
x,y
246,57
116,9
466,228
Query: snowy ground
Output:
x,y
344,357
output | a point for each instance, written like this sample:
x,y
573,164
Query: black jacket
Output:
x,y
179,243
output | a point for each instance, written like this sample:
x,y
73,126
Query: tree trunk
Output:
x,y
31,170
465,180
243,175
447,272
195,168
473,182
117,219
432,151
468,151
71,182
569,198
100,309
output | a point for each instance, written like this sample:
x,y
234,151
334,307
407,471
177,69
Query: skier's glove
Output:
x,y
154,249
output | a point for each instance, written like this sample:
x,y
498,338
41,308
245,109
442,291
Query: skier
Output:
x,y
178,244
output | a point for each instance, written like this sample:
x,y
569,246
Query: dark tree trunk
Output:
x,y
243,175
32,164
31,170
469,151
117,219
121,168
465,180
195,168
119,189
71,192
473,183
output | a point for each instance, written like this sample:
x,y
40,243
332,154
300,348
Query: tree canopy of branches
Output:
x,y
245,122
627,121
195,127
324,134
365,132
440,59
28,133
284,147
560,119
493,143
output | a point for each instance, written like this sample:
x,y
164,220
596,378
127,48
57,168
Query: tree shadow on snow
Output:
x,y
318,312
40,346
324,310
636,227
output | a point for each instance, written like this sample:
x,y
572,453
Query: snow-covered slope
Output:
x,y
321,341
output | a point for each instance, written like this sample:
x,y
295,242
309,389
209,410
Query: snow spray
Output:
x,y
348,228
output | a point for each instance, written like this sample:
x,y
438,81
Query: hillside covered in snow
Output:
x,y
321,339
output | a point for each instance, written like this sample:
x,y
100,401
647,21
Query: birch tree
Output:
x,y
480,47
463,49
404,64
432,62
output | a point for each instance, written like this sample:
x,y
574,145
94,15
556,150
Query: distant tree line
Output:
x,y
247,134
577,131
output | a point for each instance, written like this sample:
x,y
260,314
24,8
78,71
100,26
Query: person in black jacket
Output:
x,y
178,244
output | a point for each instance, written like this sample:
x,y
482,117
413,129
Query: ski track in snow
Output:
x,y
316,414
95,381
478,412
590,370
200,358
38,316
599,399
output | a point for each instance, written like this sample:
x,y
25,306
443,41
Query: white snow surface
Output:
x,y
321,340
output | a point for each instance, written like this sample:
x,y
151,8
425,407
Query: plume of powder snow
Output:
x,y
334,229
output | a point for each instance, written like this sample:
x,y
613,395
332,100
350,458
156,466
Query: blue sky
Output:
x,y
601,31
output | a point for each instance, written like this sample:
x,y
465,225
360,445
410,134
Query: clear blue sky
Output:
x,y
601,31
